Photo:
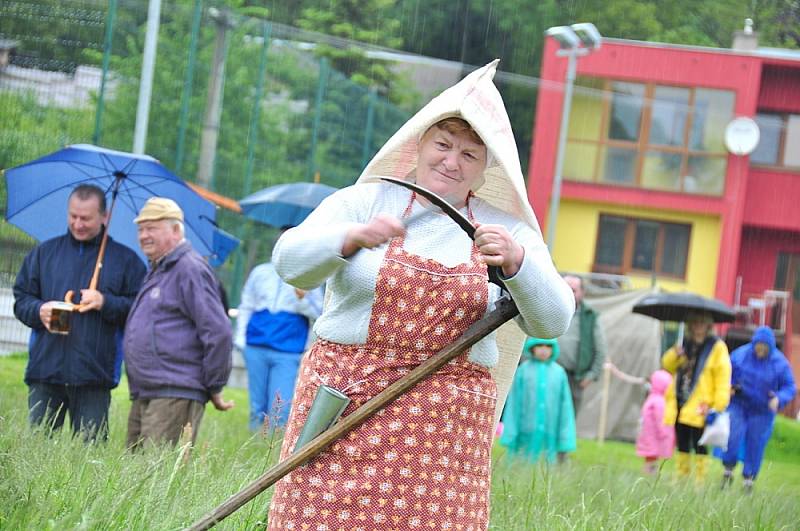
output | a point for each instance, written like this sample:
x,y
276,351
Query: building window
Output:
x,y
627,245
649,136
779,144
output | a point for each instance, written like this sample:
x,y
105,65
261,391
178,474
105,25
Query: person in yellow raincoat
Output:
x,y
701,368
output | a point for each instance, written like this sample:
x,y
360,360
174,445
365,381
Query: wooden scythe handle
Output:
x,y
100,255
505,310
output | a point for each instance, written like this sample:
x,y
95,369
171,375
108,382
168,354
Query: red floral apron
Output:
x,y
423,461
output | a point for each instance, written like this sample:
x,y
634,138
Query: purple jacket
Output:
x,y
177,337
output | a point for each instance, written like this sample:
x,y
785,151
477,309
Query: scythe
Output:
x,y
505,310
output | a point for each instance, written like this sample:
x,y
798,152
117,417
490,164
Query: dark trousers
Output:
x,y
688,438
87,406
576,391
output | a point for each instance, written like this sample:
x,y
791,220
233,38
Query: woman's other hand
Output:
x,y
498,248
380,230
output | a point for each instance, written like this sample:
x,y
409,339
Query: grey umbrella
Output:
x,y
677,306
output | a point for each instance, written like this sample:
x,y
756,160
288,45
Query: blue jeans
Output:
x,y
271,376
87,406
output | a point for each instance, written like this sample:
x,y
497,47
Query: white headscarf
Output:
x,y
476,100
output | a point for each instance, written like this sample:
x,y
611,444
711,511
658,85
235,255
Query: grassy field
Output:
x,y
59,483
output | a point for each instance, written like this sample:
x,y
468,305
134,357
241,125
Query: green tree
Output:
x,y
362,21
777,22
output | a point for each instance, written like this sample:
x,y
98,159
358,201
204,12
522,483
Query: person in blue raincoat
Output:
x,y
538,420
761,384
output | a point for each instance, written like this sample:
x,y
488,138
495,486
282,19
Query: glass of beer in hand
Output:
x,y
60,318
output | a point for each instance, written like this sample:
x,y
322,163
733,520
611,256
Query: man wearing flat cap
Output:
x,y
178,337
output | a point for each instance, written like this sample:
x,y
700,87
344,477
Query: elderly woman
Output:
x,y
701,369
403,281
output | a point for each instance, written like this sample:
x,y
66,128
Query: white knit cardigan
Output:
x,y
309,255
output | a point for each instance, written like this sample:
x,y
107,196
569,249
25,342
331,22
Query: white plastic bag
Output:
x,y
716,434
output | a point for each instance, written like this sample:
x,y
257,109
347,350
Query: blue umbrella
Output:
x,y
38,193
224,244
285,204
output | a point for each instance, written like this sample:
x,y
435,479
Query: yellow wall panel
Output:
x,y
579,161
586,114
576,236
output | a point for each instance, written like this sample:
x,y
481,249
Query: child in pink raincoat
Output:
x,y
656,440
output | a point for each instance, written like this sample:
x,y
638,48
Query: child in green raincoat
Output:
x,y
538,419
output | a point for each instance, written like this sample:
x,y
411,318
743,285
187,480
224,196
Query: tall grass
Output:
x,y
607,496
57,482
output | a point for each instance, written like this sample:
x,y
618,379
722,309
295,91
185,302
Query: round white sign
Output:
x,y
742,135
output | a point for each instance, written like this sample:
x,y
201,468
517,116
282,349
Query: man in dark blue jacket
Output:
x,y
75,372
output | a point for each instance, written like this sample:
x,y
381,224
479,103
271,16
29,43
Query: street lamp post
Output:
x,y
575,41
146,82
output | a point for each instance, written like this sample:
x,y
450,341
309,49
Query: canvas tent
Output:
x,y
634,346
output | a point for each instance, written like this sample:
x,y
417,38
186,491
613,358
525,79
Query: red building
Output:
x,y
650,189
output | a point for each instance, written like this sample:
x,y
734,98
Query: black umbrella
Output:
x,y
677,306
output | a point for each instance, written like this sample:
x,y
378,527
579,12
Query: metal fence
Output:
x,y
238,103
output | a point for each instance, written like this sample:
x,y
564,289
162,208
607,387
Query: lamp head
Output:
x,y
565,36
588,34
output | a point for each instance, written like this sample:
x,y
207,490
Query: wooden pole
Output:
x,y
504,311
601,424
102,252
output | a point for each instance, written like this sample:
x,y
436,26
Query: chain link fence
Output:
x,y
238,103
